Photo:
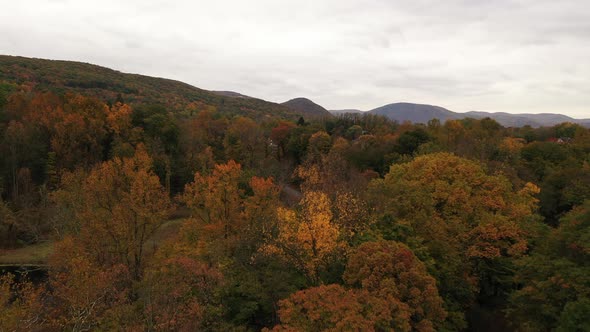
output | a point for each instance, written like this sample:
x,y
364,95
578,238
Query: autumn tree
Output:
x,y
181,294
122,205
388,289
215,204
244,141
78,131
307,238
123,135
230,221
458,218
391,272
259,214
8,224
332,308
454,131
68,200
280,137
85,295
21,305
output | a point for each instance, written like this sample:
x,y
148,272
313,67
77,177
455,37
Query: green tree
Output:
x,y
555,278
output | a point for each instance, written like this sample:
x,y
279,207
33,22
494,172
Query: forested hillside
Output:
x,y
163,207
111,86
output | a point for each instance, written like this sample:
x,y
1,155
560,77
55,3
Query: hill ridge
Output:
x,y
307,107
108,84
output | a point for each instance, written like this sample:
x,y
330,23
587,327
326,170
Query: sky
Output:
x,y
516,56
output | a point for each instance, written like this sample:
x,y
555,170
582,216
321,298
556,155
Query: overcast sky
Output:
x,y
502,56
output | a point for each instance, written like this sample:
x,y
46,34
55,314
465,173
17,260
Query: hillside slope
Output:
x,y
70,76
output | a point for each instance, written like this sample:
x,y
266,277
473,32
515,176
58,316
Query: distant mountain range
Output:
x,y
346,111
421,113
534,120
109,85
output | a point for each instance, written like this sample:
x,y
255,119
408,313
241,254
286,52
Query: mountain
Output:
x,y
108,84
418,113
507,119
346,111
533,120
306,107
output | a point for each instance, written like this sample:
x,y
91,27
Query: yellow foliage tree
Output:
x,y
307,238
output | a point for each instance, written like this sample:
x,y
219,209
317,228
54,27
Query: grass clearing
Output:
x,y
29,255
37,254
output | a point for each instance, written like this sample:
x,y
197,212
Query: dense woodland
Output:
x,y
201,217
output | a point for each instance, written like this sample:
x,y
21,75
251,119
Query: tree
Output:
x,y
78,130
181,294
158,125
84,295
8,225
319,144
574,316
122,132
280,136
307,238
216,210
460,220
409,141
354,132
331,308
555,278
259,214
122,205
391,272
244,141
21,305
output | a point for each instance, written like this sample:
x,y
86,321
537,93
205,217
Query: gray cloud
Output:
x,y
504,55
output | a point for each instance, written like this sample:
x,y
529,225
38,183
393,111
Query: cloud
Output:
x,y
504,55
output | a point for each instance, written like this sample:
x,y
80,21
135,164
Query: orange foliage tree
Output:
x,y
223,217
390,290
215,204
391,272
85,295
179,294
332,308
122,205
21,305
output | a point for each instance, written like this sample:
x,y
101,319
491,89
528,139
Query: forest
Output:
x,y
206,216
